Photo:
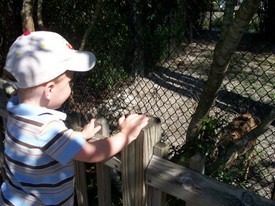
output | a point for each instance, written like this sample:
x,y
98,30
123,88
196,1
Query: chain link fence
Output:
x,y
171,89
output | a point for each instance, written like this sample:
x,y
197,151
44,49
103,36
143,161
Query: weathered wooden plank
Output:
x,y
5,91
273,193
197,163
80,184
156,197
135,159
73,121
103,172
189,185
3,113
114,163
3,118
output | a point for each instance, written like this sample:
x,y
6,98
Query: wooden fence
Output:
x,y
147,176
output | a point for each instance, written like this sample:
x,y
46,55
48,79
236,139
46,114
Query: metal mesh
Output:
x,y
170,89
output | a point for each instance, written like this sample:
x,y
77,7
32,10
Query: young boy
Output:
x,y
39,148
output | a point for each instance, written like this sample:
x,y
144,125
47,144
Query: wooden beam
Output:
x,y
192,186
135,158
73,121
103,172
155,196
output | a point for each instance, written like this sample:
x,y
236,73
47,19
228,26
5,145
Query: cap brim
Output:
x,y
81,61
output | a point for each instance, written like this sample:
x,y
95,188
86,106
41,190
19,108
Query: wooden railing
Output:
x,y
147,176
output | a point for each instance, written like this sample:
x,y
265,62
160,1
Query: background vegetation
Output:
x,y
132,39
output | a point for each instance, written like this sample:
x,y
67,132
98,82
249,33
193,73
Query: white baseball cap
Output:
x,y
38,57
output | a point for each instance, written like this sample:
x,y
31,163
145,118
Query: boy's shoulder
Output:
x,y
35,113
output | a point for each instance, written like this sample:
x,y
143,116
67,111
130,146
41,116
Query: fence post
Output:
x,y
74,122
6,90
103,172
3,116
155,196
273,192
197,163
135,159
80,182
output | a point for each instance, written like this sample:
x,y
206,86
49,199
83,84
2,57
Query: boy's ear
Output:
x,y
49,90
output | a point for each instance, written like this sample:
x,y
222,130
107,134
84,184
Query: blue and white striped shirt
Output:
x,y
38,155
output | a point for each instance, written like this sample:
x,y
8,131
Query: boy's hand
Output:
x,y
132,125
90,129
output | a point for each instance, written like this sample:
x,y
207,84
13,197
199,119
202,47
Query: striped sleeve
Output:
x,y
59,142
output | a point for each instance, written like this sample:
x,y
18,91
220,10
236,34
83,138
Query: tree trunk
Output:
x,y
227,17
98,9
222,55
40,22
26,13
138,54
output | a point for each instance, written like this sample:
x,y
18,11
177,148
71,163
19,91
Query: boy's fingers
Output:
x,y
121,120
132,116
144,120
137,118
97,128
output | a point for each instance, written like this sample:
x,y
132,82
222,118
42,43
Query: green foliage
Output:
x,y
91,181
235,175
91,174
206,144
208,135
119,29
110,32
217,22
218,4
10,26
106,81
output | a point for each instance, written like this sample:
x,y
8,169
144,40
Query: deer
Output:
x,y
239,126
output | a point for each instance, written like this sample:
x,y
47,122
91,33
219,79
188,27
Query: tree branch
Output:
x,y
26,14
40,22
99,6
221,59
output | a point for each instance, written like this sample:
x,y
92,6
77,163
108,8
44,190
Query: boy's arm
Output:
x,y
105,148
102,149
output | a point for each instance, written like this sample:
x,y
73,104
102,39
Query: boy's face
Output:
x,y
62,90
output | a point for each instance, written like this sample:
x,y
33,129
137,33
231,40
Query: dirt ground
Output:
x,y
171,93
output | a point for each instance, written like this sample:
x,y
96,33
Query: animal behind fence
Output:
x,y
239,126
